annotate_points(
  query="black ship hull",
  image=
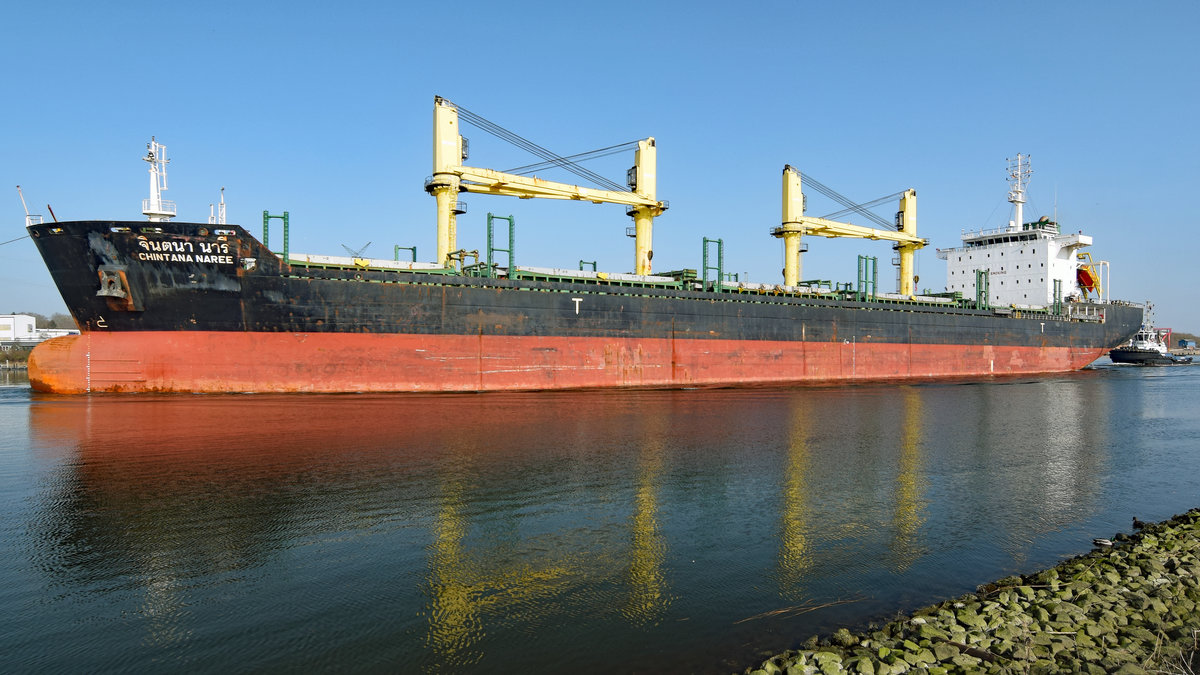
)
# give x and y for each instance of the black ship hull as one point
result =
(195, 307)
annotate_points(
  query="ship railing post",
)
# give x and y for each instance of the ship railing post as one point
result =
(982, 288)
(490, 247)
(874, 277)
(858, 292)
(720, 264)
(267, 233)
(868, 278)
(491, 244)
(719, 269)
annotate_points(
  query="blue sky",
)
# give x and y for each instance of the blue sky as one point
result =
(324, 110)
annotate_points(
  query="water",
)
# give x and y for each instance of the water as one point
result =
(596, 532)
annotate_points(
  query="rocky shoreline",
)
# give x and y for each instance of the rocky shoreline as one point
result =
(1129, 606)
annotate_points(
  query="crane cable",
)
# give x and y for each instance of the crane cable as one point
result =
(591, 154)
(865, 205)
(554, 160)
(850, 206)
(533, 148)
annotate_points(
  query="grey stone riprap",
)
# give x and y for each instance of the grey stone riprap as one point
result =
(1128, 607)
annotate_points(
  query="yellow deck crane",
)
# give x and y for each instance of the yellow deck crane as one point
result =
(795, 224)
(450, 177)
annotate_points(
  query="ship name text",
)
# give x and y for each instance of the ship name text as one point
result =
(185, 257)
(184, 251)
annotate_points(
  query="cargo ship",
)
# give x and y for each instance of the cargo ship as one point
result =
(166, 306)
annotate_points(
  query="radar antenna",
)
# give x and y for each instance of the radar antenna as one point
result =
(1018, 175)
(156, 208)
(219, 217)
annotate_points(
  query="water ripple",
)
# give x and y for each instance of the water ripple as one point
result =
(597, 532)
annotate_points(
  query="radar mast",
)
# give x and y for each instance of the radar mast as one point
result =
(1018, 175)
(156, 208)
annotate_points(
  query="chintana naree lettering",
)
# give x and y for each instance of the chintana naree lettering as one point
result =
(148, 256)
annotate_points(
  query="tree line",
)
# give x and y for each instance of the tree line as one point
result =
(58, 320)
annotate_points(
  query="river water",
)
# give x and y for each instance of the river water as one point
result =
(678, 531)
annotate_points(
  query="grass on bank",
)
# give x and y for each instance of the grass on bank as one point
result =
(17, 357)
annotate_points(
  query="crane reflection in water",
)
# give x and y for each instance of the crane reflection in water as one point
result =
(804, 488)
(906, 546)
(442, 532)
(472, 581)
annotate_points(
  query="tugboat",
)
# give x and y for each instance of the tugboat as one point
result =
(1148, 347)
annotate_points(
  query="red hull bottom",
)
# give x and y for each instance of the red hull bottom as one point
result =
(212, 362)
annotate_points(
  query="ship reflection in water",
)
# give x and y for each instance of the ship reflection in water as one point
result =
(599, 531)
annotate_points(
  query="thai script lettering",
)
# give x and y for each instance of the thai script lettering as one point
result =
(175, 246)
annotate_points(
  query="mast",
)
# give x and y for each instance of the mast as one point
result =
(219, 217)
(156, 208)
(1018, 175)
(30, 219)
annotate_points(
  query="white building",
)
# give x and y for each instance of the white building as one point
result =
(20, 330)
(17, 328)
(1022, 263)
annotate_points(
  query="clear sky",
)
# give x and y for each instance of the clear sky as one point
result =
(324, 110)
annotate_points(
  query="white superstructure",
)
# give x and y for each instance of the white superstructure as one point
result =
(1022, 261)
